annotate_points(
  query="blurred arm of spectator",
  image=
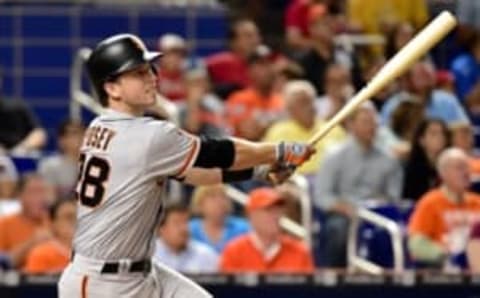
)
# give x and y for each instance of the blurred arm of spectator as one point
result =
(36, 137)
(8, 177)
(35, 140)
(54, 255)
(473, 249)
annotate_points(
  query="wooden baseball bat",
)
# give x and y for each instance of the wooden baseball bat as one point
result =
(395, 67)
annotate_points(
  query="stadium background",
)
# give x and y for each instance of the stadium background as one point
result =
(38, 44)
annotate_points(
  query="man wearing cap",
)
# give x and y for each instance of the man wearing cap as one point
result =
(266, 249)
(171, 75)
(258, 104)
(125, 162)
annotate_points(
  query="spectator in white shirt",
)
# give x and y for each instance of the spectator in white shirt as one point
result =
(174, 247)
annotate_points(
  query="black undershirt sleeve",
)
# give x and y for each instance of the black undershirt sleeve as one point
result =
(215, 153)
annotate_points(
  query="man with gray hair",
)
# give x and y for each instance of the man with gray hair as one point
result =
(355, 171)
(302, 123)
(439, 227)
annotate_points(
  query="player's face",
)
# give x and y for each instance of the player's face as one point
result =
(137, 88)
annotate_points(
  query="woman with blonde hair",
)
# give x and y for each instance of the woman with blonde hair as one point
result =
(215, 225)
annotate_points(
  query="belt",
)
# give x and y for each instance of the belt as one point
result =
(143, 266)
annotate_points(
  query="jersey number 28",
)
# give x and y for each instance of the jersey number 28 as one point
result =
(93, 174)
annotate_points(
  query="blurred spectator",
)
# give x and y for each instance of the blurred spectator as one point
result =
(430, 139)
(473, 249)
(302, 123)
(472, 105)
(466, 67)
(8, 177)
(174, 247)
(462, 138)
(216, 226)
(440, 224)
(265, 249)
(398, 37)
(204, 111)
(297, 17)
(286, 70)
(20, 232)
(369, 72)
(229, 70)
(468, 14)
(445, 81)
(379, 16)
(252, 110)
(323, 52)
(61, 168)
(396, 138)
(420, 81)
(353, 172)
(20, 131)
(53, 256)
(338, 90)
(171, 70)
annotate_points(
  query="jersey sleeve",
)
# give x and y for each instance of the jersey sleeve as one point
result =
(172, 151)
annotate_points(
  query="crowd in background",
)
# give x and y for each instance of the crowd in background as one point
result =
(415, 141)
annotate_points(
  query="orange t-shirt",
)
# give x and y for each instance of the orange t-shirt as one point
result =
(241, 255)
(47, 257)
(16, 229)
(248, 104)
(440, 219)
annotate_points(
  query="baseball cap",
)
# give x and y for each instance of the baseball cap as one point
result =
(170, 42)
(262, 198)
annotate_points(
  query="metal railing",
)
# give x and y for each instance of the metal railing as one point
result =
(81, 98)
(396, 236)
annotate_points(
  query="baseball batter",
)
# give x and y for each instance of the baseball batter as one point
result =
(125, 161)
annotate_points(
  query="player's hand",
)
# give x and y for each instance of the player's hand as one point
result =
(293, 153)
(274, 174)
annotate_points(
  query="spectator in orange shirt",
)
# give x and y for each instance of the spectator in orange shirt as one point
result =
(440, 225)
(252, 110)
(265, 249)
(53, 256)
(21, 231)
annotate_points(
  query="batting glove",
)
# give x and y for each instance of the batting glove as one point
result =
(273, 174)
(293, 153)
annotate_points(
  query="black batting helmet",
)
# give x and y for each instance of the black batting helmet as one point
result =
(114, 56)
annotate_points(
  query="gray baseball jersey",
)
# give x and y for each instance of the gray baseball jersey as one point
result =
(124, 163)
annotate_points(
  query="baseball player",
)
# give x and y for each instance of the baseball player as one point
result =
(125, 161)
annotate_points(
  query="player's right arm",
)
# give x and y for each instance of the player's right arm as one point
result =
(198, 161)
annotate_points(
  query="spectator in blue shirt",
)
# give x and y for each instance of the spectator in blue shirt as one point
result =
(466, 67)
(420, 82)
(215, 226)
